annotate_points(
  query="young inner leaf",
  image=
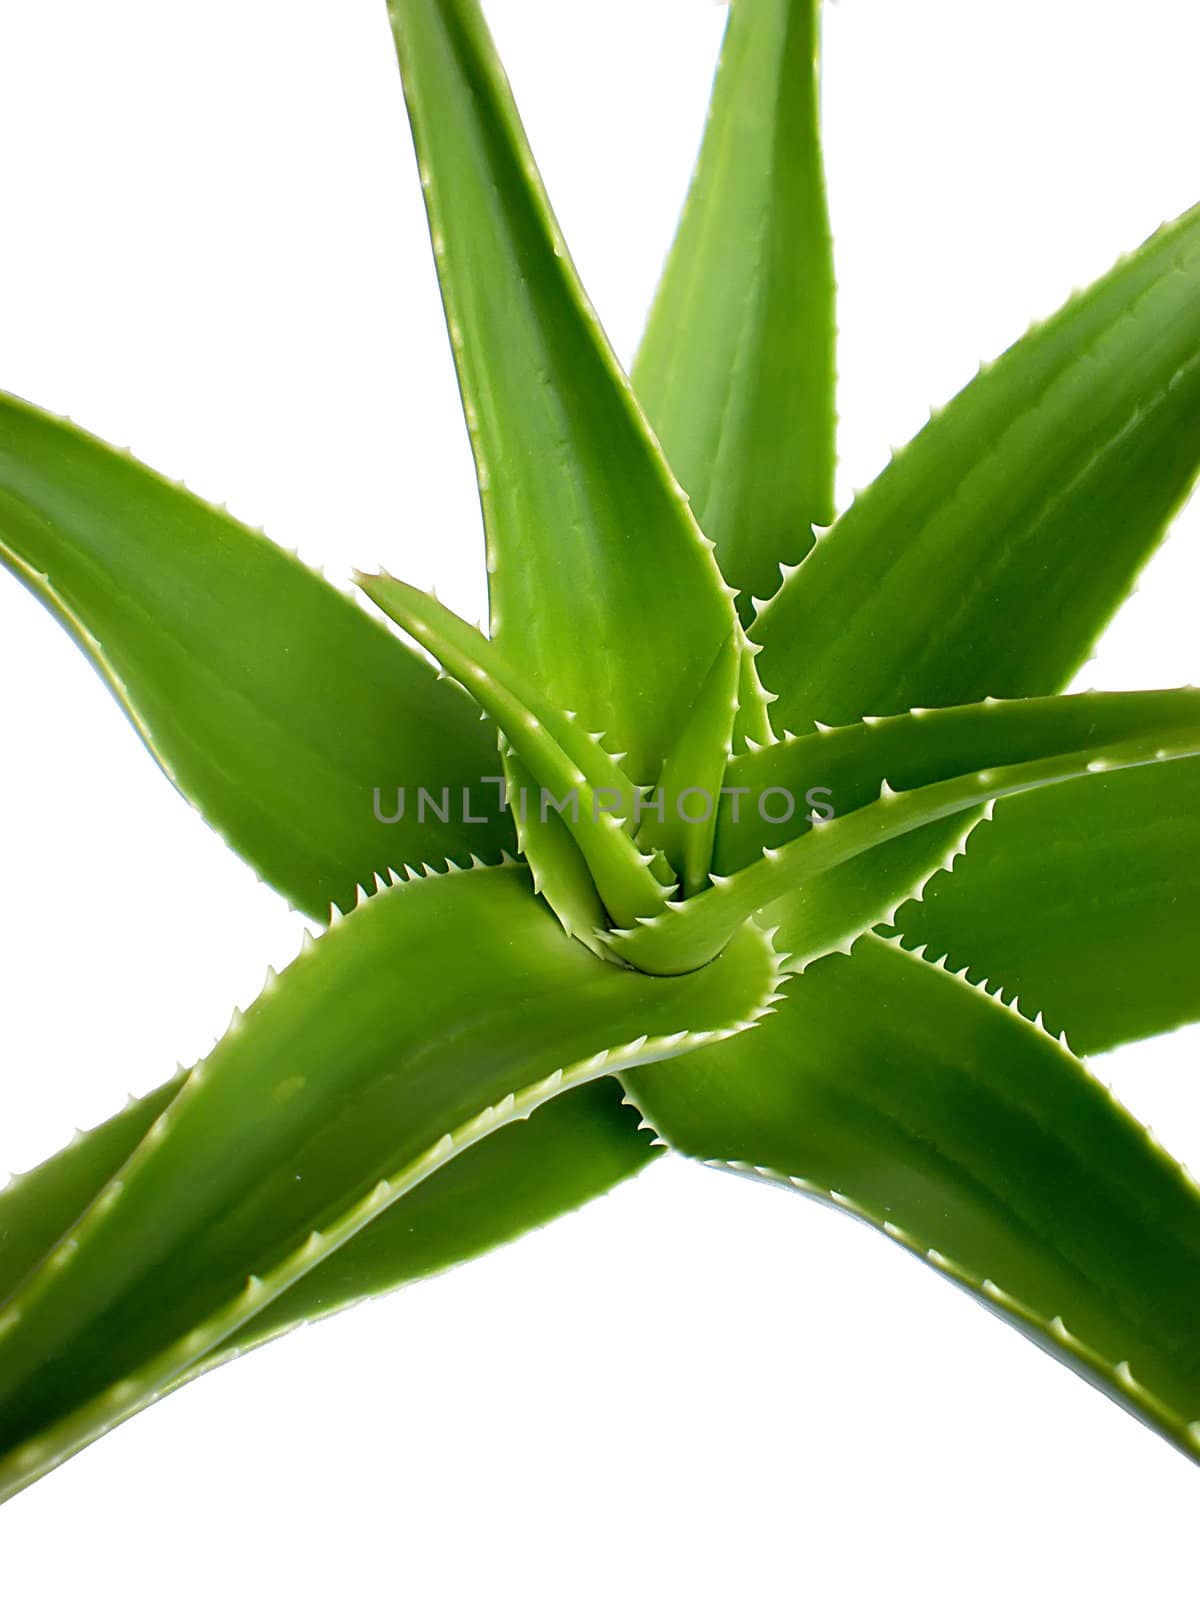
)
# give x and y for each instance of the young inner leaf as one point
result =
(577, 778)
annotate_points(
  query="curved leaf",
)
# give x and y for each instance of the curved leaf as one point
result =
(433, 1016)
(575, 775)
(602, 588)
(570, 1150)
(567, 1152)
(681, 815)
(38, 1207)
(846, 768)
(1084, 903)
(891, 1089)
(271, 701)
(686, 934)
(987, 558)
(559, 872)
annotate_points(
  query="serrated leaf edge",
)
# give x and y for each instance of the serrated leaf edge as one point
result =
(1116, 1375)
(1129, 313)
(131, 1394)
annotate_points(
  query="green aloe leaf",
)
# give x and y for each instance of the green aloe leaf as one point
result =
(38, 1207)
(681, 816)
(603, 590)
(975, 1140)
(736, 368)
(436, 1014)
(557, 866)
(565, 1153)
(272, 701)
(686, 934)
(1084, 903)
(752, 724)
(571, 1149)
(845, 768)
(574, 775)
(987, 558)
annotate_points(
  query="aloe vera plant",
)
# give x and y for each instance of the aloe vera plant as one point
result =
(775, 840)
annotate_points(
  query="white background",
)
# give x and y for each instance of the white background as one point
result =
(213, 250)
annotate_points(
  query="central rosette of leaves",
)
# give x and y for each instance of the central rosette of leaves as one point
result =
(826, 833)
